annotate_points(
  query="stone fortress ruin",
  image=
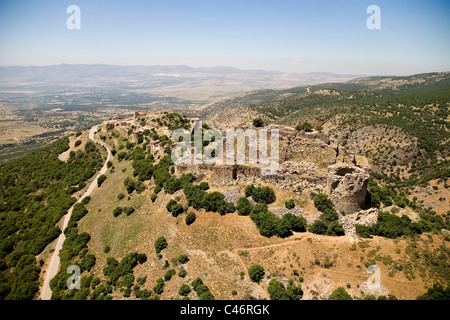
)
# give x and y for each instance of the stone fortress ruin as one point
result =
(309, 162)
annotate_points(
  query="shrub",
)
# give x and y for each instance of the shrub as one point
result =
(190, 218)
(132, 185)
(264, 195)
(329, 215)
(117, 211)
(289, 204)
(363, 231)
(305, 126)
(391, 226)
(153, 197)
(86, 200)
(184, 290)
(201, 288)
(258, 122)
(174, 208)
(101, 179)
(77, 143)
(322, 202)
(196, 283)
(243, 206)
(325, 205)
(204, 186)
(181, 259)
(87, 262)
(283, 228)
(182, 273)
(437, 292)
(249, 190)
(340, 294)
(207, 295)
(169, 274)
(297, 224)
(159, 287)
(318, 227)
(160, 244)
(294, 292)
(277, 291)
(128, 210)
(335, 229)
(120, 196)
(256, 273)
(78, 212)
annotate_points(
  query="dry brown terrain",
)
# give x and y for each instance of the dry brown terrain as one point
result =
(221, 247)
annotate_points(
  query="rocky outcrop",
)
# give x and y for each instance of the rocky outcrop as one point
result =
(347, 186)
(232, 195)
(280, 212)
(364, 217)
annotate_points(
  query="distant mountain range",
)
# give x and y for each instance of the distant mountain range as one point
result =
(69, 73)
(197, 85)
(79, 74)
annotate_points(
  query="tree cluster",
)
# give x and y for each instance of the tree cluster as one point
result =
(327, 224)
(264, 195)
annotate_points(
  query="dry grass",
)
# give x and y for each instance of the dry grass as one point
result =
(213, 243)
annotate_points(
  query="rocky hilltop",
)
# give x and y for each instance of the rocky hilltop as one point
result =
(309, 162)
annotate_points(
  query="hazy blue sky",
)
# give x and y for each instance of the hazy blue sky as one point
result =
(291, 36)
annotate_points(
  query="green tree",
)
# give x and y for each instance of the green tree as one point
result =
(258, 122)
(289, 204)
(160, 244)
(190, 218)
(256, 273)
(437, 292)
(318, 227)
(340, 294)
(277, 291)
(101, 179)
(207, 295)
(294, 292)
(297, 224)
(128, 210)
(335, 229)
(169, 274)
(117, 211)
(196, 283)
(322, 202)
(243, 206)
(159, 287)
(305, 126)
(184, 290)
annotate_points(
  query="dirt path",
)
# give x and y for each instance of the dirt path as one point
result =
(53, 266)
(244, 266)
(235, 251)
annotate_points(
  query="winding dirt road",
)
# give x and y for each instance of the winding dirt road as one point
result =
(52, 269)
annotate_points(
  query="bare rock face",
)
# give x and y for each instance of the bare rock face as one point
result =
(347, 186)
(365, 217)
